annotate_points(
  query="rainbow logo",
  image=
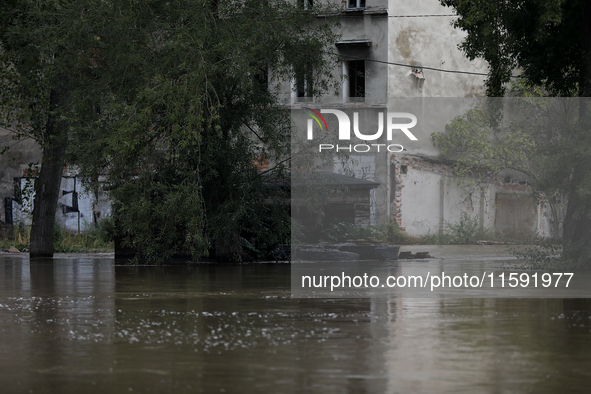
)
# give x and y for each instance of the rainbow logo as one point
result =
(317, 117)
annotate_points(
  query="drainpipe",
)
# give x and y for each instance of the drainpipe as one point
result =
(388, 187)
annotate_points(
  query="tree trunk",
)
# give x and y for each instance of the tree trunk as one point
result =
(48, 184)
(577, 222)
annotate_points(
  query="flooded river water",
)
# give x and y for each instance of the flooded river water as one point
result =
(87, 325)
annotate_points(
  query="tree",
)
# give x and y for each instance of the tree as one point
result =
(549, 42)
(40, 46)
(173, 101)
(179, 109)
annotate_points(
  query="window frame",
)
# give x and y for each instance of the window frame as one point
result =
(358, 5)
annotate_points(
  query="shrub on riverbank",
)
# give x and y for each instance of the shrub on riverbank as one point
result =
(98, 238)
(466, 231)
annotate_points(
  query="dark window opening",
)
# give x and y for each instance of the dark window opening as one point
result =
(306, 4)
(304, 82)
(356, 72)
(404, 169)
(359, 4)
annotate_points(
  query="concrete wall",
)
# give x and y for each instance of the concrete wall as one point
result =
(429, 42)
(92, 206)
(428, 197)
(516, 214)
(14, 162)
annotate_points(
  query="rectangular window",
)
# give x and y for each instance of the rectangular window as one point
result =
(355, 4)
(356, 74)
(304, 82)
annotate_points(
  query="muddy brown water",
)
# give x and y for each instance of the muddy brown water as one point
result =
(88, 325)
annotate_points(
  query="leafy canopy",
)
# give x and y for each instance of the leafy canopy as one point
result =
(540, 38)
(179, 105)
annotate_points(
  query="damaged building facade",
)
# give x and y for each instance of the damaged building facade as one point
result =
(404, 56)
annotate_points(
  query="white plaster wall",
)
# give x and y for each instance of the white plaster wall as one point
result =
(87, 205)
(422, 206)
(74, 221)
(359, 166)
(489, 206)
(14, 161)
(21, 213)
(364, 167)
(420, 202)
(429, 42)
(369, 25)
(458, 199)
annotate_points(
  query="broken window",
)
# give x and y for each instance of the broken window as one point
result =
(356, 75)
(355, 4)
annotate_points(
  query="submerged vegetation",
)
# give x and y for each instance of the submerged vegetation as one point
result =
(96, 238)
(465, 231)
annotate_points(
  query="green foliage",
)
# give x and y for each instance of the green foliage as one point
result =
(18, 236)
(93, 239)
(44, 48)
(533, 136)
(549, 43)
(97, 238)
(163, 218)
(540, 38)
(174, 101)
(186, 106)
(343, 232)
(484, 143)
(547, 142)
(465, 231)
(40, 43)
(545, 254)
(104, 230)
(548, 254)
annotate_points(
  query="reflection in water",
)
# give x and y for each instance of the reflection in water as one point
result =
(86, 325)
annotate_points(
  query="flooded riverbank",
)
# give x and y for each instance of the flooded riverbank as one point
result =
(85, 324)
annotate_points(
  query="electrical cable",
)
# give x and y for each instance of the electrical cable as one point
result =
(396, 16)
(411, 66)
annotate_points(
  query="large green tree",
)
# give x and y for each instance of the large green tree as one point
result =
(180, 109)
(548, 43)
(173, 104)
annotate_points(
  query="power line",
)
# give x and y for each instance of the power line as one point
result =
(411, 66)
(396, 16)
(429, 68)
(420, 16)
(383, 14)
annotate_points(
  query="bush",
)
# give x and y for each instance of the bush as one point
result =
(18, 236)
(465, 231)
(343, 232)
(97, 237)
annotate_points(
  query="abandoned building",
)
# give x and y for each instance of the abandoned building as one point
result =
(405, 54)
